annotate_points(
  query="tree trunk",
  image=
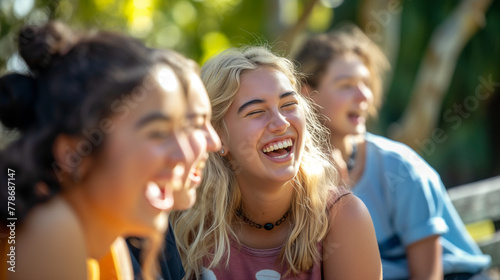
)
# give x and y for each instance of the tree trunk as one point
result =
(381, 21)
(421, 116)
(288, 39)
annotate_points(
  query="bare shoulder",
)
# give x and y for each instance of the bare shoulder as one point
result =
(350, 242)
(349, 219)
(349, 208)
(51, 243)
(55, 218)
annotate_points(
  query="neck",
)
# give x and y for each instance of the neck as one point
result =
(262, 205)
(99, 234)
(266, 205)
(343, 144)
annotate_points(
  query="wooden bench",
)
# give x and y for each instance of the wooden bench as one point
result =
(478, 204)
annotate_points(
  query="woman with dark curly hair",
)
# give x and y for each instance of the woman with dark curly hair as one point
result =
(103, 147)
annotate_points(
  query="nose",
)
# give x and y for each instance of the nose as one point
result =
(213, 140)
(278, 122)
(181, 153)
(363, 92)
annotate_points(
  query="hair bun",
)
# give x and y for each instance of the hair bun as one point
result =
(17, 101)
(38, 44)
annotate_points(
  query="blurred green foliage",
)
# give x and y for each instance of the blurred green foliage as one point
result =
(200, 28)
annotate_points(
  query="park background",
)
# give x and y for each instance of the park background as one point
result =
(441, 97)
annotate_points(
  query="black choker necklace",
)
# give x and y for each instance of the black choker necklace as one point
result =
(351, 161)
(268, 226)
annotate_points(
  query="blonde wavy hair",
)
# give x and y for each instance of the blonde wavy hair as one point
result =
(204, 232)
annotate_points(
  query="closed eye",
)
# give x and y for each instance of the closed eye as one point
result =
(196, 121)
(254, 113)
(158, 134)
(346, 84)
(288, 104)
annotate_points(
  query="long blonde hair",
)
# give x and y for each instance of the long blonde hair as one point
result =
(204, 232)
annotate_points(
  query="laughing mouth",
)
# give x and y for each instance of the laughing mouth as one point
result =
(355, 115)
(158, 197)
(279, 149)
(196, 173)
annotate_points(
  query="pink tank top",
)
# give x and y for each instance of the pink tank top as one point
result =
(261, 264)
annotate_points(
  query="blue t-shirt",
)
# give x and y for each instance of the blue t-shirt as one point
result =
(408, 202)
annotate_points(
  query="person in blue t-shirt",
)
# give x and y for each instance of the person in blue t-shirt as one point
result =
(419, 233)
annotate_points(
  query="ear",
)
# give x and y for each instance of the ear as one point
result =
(223, 150)
(72, 157)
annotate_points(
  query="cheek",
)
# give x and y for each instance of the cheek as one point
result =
(298, 120)
(132, 161)
(120, 179)
(198, 144)
(370, 98)
(332, 98)
(333, 104)
(242, 147)
(243, 139)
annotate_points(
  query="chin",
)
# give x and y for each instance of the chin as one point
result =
(287, 175)
(360, 129)
(184, 203)
(150, 226)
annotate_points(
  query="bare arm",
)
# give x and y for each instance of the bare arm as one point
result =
(350, 250)
(424, 259)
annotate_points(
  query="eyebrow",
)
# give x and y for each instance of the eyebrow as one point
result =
(251, 102)
(344, 77)
(351, 77)
(196, 115)
(286, 94)
(259, 101)
(156, 116)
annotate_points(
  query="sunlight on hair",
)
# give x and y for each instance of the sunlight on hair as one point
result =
(167, 79)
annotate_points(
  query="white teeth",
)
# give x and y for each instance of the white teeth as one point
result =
(153, 190)
(283, 156)
(279, 145)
